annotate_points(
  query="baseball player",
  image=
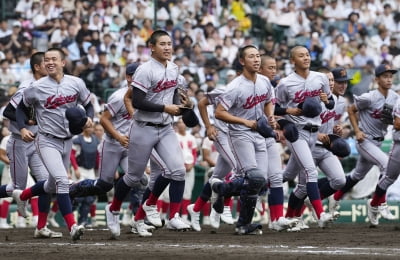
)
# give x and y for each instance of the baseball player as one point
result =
(155, 97)
(51, 97)
(370, 129)
(23, 154)
(217, 132)
(306, 88)
(275, 195)
(248, 98)
(392, 171)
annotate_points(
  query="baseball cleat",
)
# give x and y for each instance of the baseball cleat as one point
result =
(373, 214)
(385, 212)
(21, 205)
(76, 232)
(113, 221)
(194, 218)
(250, 229)
(217, 200)
(226, 216)
(333, 205)
(152, 214)
(283, 224)
(177, 223)
(46, 233)
(215, 219)
(324, 219)
(140, 228)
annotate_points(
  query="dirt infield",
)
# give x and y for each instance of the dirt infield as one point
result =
(340, 241)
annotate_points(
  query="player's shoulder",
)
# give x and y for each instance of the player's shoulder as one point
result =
(118, 94)
(74, 79)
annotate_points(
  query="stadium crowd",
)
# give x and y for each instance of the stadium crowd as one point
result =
(101, 38)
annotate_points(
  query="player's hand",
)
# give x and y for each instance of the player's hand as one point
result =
(272, 122)
(323, 138)
(252, 124)
(89, 123)
(323, 97)
(294, 111)
(360, 136)
(338, 129)
(212, 132)
(172, 110)
(31, 122)
(123, 140)
(27, 135)
(185, 99)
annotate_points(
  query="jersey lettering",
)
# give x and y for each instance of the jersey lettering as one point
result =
(163, 85)
(338, 116)
(53, 102)
(376, 114)
(326, 116)
(126, 116)
(253, 101)
(300, 95)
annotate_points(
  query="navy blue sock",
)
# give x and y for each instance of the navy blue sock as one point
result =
(275, 196)
(44, 203)
(3, 191)
(312, 191)
(350, 183)
(326, 190)
(176, 189)
(206, 192)
(146, 195)
(379, 191)
(322, 181)
(38, 188)
(64, 203)
(121, 190)
(160, 185)
(294, 201)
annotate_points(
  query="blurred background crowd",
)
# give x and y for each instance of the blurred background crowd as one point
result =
(101, 37)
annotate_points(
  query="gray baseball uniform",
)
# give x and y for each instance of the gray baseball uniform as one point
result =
(21, 153)
(369, 106)
(53, 143)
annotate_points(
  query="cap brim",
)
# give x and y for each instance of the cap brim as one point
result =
(343, 79)
(391, 71)
(333, 137)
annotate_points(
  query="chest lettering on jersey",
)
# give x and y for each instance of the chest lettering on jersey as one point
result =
(53, 102)
(254, 100)
(300, 95)
(163, 85)
(376, 114)
(126, 116)
(327, 115)
(337, 116)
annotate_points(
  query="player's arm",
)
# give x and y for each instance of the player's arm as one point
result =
(396, 123)
(222, 114)
(269, 112)
(128, 102)
(210, 129)
(90, 114)
(352, 111)
(21, 118)
(139, 102)
(105, 121)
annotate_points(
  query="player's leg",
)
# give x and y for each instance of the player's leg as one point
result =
(332, 168)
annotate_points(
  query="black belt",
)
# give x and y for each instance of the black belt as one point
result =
(321, 145)
(379, 139)
(56, 137)
(311, 128)
(156, 125)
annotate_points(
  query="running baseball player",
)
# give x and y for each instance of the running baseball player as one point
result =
(218, 133)
(248, 98)
(392, 172)
(51, 97)
(370, 129)
(155, 97)
(306, 88)
(23, 154)
(275, 194)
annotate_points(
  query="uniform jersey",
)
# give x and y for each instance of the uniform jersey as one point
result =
(246, 99)
(15, 100)
(159, 83)
(121, 120)
(327, 117)
(369, 106)
(51, 99)
(213, 99)
(340, 108)
(396, 113)
(293, 89)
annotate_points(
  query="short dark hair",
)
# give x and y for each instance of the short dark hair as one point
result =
(243, 49)
(36, 59)
(62, 54)
(156, 35)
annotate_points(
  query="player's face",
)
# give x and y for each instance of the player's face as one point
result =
(385, 80)
(252, 60)
(339, 88)
(41, 69)
(301, 58)
(330, 80)
(162, 50)
(268, 68)
(129, 78)
(54, 63)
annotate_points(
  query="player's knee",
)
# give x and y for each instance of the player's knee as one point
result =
(255, 180)
(338, 183)
(178, 175)
(275, 180)
(300, 191)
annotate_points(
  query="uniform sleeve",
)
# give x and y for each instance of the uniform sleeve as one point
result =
(228, 98)
(29, 96)
(16, 98)
(113, 106)
(325, 85)
(281, 96)
(363, 101)
(84, 93)
(142, 79)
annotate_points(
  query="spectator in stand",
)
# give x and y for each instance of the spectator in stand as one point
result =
(147, 29)
(332, 49)
(6, 75)
(387, 18)
(60, 34)
(229, 28)
(393, 46)
(361, 58)
(334, 11)
(353, 26)
(342, 59)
